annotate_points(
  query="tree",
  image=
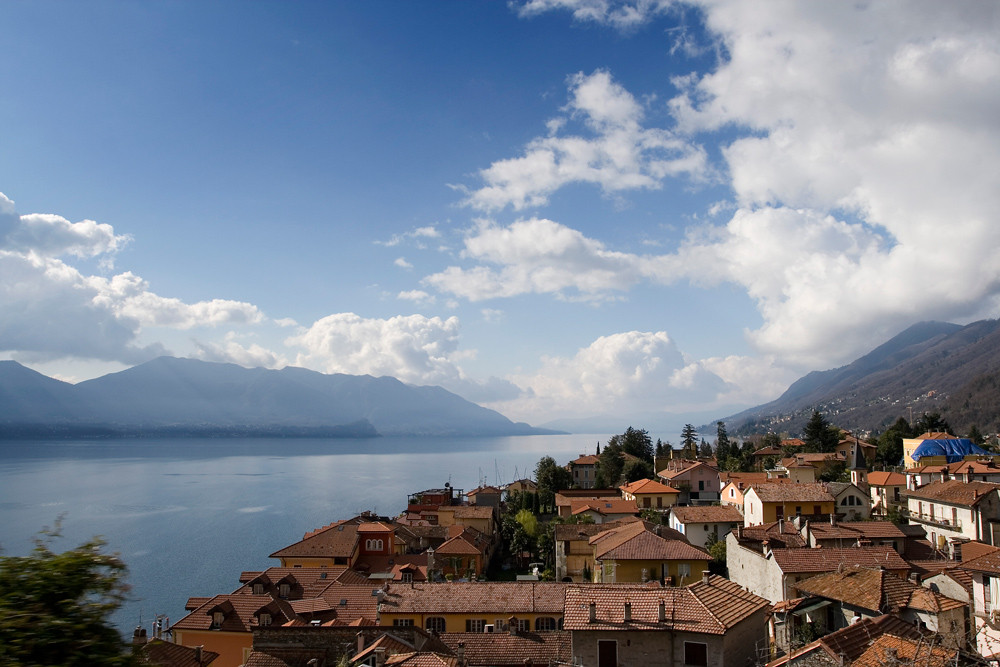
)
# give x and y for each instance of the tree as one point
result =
(54, 608)
(706, 449)
(889, 447)
(660, 450)
(635, 470)
(717, 549)
(975, 435)
(689, 440)
(610, 465)
(637, 443)
(819, 435)
(550, 478)
(722, 445)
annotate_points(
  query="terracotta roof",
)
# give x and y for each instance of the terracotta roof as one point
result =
(828, 560)
(707, 514)
(352, 602)
(330, 542)
(567, 496)
(876, 590)
(488, 598)
(470, 512)
(422, 660)
(459, 546)
(974, 549)
(988, 563)
(375, 527)
(671, 473)
(507, 650)
(936, 435)
(792, 493)
(855, 529)
(644, 545)
(259, 659)
(304, 582)
(484, 489)
(396, 564)
(813, 457)
(166, 654)
(576, 531)
(604, 506)
(854, 640)
(884, 478)
(784, 534)
(891, 650)
(648, 486)
(793, 442)
(710, 608)
(240, 613)
(391, 644)
(975, 467)
(747, 478)
(955, 492)
(585, 460)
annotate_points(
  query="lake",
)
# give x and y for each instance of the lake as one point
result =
(189, 515)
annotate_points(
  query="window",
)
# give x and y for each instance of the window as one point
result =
(475, 625)
(706, 527)
(647, 502)
(696, 653)
(407, 577)
(607, 653)
(732, 493)
(435, 624)
(258, 589)
(283, 590)
(843, 502)
(798, 510)
(659, 501)
(545, 624)
(954, 515)
(701, 485)
(373, 545)
(576, 473)
(817, 509)
(683, 569)
(402, 622)
(586, 474)
(264, 619)
(217, 619)
(930, 509)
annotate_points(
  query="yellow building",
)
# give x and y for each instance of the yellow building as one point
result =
(633, 553)
(336, 544)
(769, 502)
(650, 494)
(481, 518)
(474, 607)
(225, 624)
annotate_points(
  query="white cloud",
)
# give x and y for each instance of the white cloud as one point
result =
(622, 15)
(429, 232)
(230, 351)
(402, 263)
(492, 315)
(416, 296)
(621, 154)
(50, 235)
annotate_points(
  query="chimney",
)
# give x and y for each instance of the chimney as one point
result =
(833, 519)
(704, 577)
(460, 652)
(198, 655)
(915, 577)
(739, 531)
(659, 530)
(361, 642)
(593, 612)
(379, 656)
(661, 612)
(628, 612)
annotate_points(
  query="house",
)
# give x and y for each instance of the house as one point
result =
(521, 485)
(482, 518)
(485, 495)
(839, 534)
(514, 648)
(431, 499)
(794, 470)
(303, 646)
(939, 449)
(603, 510)
(764, 503)
(696, 480)
(565, 497)
(474, 606)
(650, 494)
(769, 564)
(985, 570)
(853, 502)
(465, 555)
(633, 553)
(711, 622)
(965, 471)
(336, 544)
(858, 593)
(697, 523)
(584, 471)
(158, 653)
(956, 511)
(886, 490)
(735, 484)
(574, 555)
(848, 442)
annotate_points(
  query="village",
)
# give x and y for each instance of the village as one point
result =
(693, 565)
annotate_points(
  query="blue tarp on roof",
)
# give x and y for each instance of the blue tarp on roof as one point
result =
(953, 450)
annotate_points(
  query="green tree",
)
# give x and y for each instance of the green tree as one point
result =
(819, 435)
(54, 607)
(931, 422)
(723, 448)
(975, 435)
(717, 550)
(835, 472)
(636, 470)
(689, 441)
(610, 465)
(660, 449)
(637, 443)
(550, 478)
(705, 450)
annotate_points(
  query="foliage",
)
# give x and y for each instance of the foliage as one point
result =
(717, 550)
(889, 448)
(835, 472)
(819, 435)
(550, 477)
(689, 441)
(633, 471)
(931, 422)
(587, 574)
(661, 449)
(528, 521)
(895, 515)
(976, 436)
(515, 535)
(610, 465)
(635, 442)
(706, 449)
(652, 516)
(723, 446)
(54, 608)
(771, 439)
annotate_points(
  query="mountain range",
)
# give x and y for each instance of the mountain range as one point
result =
(181, 397)
(929, 367)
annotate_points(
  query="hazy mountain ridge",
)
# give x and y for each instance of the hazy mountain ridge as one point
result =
(178, 397)
(931, 366)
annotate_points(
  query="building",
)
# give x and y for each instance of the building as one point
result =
(886, 490)
(766, 503)
(696, 480)
(604, 510)
(224, 624)
(336, 544)
(837, 534)
(584, 471)
(650, 494)
(565, 497)
(851, 501)
(955, 511)
(474, 606)
(485, 495)
(939, 449)
(521, 485)
(514, 648)
(632, 553)
(711, 622)
(704, 524)
(465, 555)
(985, 570)
(575, 556)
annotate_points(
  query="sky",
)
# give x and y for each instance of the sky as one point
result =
(553, 208)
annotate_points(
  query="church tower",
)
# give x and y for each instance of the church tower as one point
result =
(858, 467)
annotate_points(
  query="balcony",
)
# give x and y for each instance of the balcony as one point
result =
(940, 522)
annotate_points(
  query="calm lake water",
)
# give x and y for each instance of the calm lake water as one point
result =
(188, 515)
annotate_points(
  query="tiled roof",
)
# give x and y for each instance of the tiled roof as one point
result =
(955, 492)
(375, 527)
(876, 590)
(891, 650)
(647, 546)
(466, 512)
(507, 650)
(782, 533)
(566, 496)
(813, 457)
(422, 660)
(352, 602)
(848, 529)
(974, 549)
(491, 597)
(459, 546)
(672, 473)
(854, 640)
(648, 486)
(396, 564)
(935, 435)
(336, 541)
(884, 478)
(391, 644)
(828, 560)
(707, 514)
(604, 506)
(792, 493)
(259, 659)
(988, 563)
(167, 654)
(304, 582)
(484, 489)
(747, 478)
(578, 531)
(710, 608)
(585, 460)
(240, 613)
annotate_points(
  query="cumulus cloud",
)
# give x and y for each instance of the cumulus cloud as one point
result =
(626, 372)
(619, 155)
(622, 15)
(417, 296)
(49, 235)
(232, 352)
(402, 263)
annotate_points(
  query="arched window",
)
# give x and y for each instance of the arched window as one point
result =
(545, 624)
(435, 624)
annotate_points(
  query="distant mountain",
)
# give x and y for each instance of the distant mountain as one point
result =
(179, 397)
(932, 366)
(664, 425)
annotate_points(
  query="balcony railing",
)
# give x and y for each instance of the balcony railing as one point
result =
(933, 520)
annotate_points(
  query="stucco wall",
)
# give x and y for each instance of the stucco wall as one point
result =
(648, 648)
(751, 570)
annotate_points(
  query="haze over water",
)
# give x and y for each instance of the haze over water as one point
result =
(188, 515)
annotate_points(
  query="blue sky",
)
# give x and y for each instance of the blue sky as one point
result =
(555, 208)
